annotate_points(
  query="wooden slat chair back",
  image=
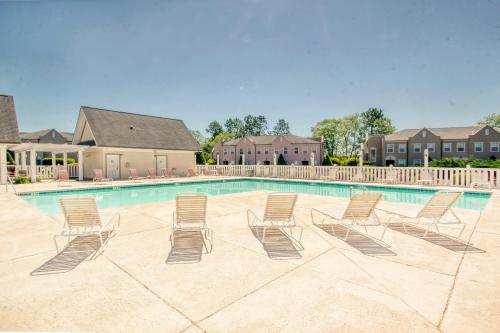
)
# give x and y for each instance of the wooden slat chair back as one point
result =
(133, 173)
(280, 206)
(98, 174)
(439, 204)
(191, 208)
(80, 211)
(152, 172)
(362, 206)
(62, 175)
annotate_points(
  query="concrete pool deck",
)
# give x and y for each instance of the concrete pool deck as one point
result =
(141, 284)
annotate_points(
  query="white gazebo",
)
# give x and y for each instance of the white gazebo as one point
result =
(54, 149)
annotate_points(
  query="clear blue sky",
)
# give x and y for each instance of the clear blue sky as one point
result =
(426, 63)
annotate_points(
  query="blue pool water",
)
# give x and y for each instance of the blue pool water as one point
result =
(134, 195)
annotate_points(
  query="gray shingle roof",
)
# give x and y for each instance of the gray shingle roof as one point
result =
(36, 135)
(130, 130)
(9, 130)
(268, 139)
(446, 133)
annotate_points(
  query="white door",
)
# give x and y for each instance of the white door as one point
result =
(113, 166)
(161, 163)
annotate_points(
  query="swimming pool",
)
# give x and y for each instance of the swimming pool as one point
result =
(142, 194)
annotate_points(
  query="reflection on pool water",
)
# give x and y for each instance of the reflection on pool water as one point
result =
(134, 195)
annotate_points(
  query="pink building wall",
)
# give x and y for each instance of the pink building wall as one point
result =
(252, 155)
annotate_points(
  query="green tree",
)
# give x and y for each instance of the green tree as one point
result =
(255, 125)
(329, 129)
(281, 160)
(492, 120)
(200, 158)
(327, 161)
(235, 126)
(10, 159)
(214, 129)
(353, 134)
(281, 128)
(376, 122)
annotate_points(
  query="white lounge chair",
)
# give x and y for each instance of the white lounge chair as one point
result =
(359, 212)
(63, 178)
(277, 215)
(98, 176)
(82, 219)
(427, 177)
(433, 213)
(190, 215)
(134, 175)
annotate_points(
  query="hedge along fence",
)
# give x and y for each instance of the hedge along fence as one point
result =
(454, 163)
(59, 161)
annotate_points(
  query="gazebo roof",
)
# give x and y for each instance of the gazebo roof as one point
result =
(48, 147)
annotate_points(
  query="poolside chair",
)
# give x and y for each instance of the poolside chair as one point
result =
(98, 176)
(134, 175)
(359, 176)
(427, 178)
(190, 215)
(433, 213)
(191, 173)
(152, 174)
(166, 173)
(359, 212)
(63, 177)
(82, 219)
(277, 215)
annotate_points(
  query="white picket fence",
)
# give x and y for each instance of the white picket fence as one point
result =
(44, 171)
(459, 177)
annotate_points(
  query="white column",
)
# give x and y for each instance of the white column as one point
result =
(274, 159)
(218, 159)
(23, 160)
(361, 155)
(243, 159)
(53, 160)
(426, 158)
(3, 164)
(65, 160)
(33, 166)
(16, 159)
(312, 159)
(80, 165)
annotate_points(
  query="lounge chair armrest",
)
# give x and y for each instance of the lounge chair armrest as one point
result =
(323, 214)
(251, 216)
(114, 219)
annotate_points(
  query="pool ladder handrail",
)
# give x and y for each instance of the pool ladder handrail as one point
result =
(9, 181)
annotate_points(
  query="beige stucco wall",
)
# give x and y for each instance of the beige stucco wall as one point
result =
(92, 159)
(140, 159)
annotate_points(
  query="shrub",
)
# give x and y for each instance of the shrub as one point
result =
(281, 160)
(351, 161)
(336, 160)
(455, 163)
(22, 180)
(240, 161)
(59, 161)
